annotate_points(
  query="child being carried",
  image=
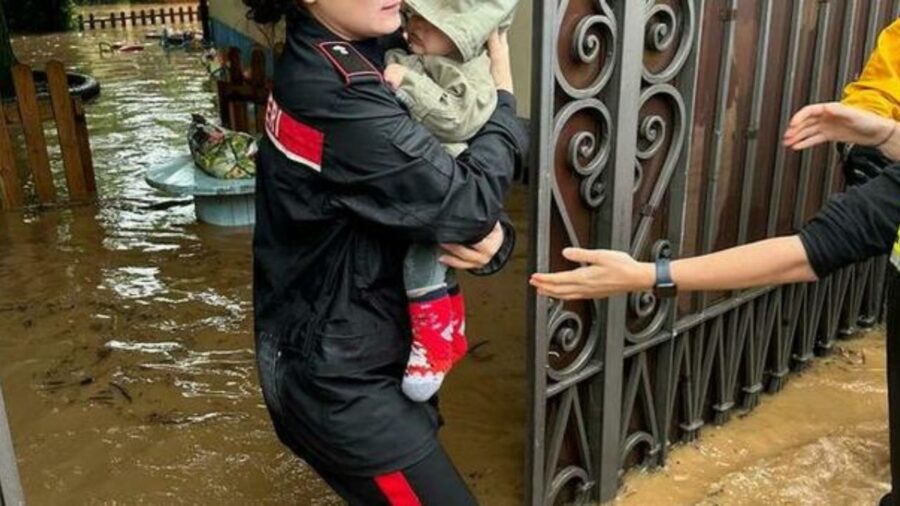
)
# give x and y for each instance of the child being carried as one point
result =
(446, 83)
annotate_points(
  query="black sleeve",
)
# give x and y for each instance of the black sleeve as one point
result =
(856, 225)
(390, 170)
(504, 254)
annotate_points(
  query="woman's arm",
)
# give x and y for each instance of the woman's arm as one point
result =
(854, 226)
(773, 261)
(835, 122)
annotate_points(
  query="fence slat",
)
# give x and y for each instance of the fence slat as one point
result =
(65, 126)
(237, 112)
(33, 129)
(112, 19)
(172, 15)
(181, 14)
(143, 18)
(91, 21)
(81, 22)
(152, 16)
(122, 19)
(191, 14)
(84, 147)
(258, 81)
(11, 186)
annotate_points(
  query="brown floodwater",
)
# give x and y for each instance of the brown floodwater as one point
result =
(127, 365)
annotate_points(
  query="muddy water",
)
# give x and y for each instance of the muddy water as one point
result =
(126, 353)
(125, 328)
(823, 440)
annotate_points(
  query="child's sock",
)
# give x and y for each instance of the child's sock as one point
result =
(431, 356)
(458, 304)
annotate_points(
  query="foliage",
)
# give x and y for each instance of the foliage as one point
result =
(38, 16)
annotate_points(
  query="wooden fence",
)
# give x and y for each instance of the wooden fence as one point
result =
(149, 17)
(243, 95)
(28, 114)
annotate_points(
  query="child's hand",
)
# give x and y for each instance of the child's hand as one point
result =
(835, 122)
(501, 69)
(394, 74)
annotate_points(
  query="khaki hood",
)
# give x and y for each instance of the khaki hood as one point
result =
(468, 23)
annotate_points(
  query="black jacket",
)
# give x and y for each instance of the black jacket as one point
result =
(346, 181)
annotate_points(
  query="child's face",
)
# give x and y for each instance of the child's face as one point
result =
(424, 38)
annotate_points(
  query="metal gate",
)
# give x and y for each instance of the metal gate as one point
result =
(658, 131)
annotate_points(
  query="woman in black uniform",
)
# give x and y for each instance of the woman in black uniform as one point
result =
(345, 182)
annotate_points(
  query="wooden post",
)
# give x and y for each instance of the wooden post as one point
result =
(91, 20)
(112, 19)
(152, 17)
(143, 18)
(102, 23)
(84, 147)
(10, 485)
(65, 126)
(191, 14)
(33, 128)
(181, 14)
(133, 18)
(122, 20)
(81, 22)
(237, 111)
(258, 82)
(172, 15)
(10, 185)
(204, 20)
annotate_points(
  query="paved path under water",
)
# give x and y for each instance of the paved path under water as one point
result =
(126, 353)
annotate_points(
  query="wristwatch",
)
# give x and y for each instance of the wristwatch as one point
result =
(665, 286)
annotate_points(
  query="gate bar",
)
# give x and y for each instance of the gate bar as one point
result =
(10, 485)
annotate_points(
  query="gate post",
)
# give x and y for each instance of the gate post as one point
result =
(613, 231)
(10, 486)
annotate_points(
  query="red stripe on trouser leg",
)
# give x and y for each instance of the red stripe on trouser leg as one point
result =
(397, 489)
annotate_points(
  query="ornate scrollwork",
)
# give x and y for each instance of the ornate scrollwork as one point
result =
(646, 305)
(586, 46)
(568, 335)
(662, 29)
(588, 151)
(572, 478)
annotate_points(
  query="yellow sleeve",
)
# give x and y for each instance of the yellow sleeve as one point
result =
(878, 87)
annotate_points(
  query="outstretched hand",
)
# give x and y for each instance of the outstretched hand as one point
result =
(835, 122)
(607, 273)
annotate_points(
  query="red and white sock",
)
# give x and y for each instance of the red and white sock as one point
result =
(432, 346)
(458, 304)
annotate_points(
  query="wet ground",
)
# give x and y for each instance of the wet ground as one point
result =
(125, 344)
(126, 353)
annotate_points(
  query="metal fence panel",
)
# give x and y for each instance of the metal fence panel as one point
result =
(657, 131)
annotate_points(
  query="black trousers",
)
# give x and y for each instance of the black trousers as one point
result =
(433, 481)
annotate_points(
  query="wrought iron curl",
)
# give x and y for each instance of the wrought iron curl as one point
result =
(586, 45)
(646, 304)
(566, 329)
(662, 29)
(586, 155)
(570, 475)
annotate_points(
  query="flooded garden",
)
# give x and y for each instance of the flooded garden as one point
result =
(126, 347)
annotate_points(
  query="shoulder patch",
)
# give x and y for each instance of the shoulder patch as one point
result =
(299, 142)
(350, 63)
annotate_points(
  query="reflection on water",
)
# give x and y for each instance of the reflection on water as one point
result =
(125, 338)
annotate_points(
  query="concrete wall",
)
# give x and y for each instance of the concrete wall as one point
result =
(230, 27)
